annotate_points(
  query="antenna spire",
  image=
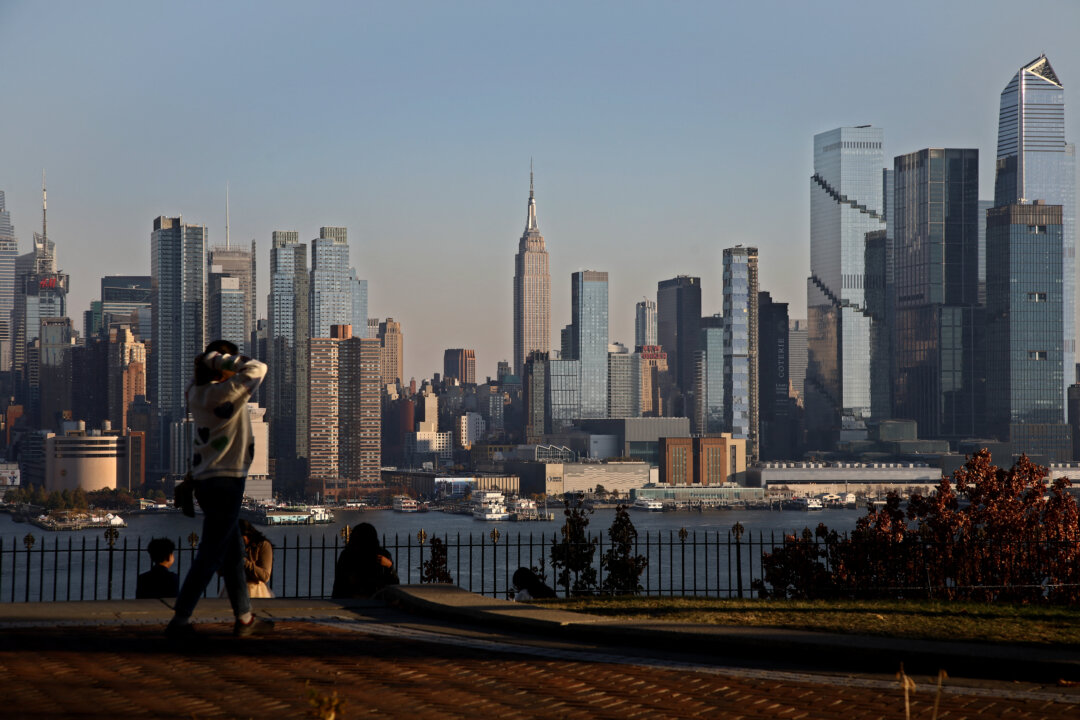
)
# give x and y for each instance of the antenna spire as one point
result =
(44, 209)
(530, 178)
(530, 220)
(226, 214)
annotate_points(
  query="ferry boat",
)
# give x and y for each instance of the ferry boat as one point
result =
(649, 504)
(803, 503)
(73, 520)
(489, 505)
(287, 515)
(403, 503)
(522, 509)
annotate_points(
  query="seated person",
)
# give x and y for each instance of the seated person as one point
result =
(258, 560)
(364, 567)
(159, 581)
(529, 586)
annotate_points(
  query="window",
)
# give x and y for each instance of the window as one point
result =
(1037, 355)
(1036, 297)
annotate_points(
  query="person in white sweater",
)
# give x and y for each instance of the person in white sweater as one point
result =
(222, 450)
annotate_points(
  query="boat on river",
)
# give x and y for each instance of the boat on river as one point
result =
(288, 514)
(649, 504)
(65, 520)
(404, 503)
(489, 505)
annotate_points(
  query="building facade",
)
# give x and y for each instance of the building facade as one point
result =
(460, 363)
(645, 323)
(589, 338)
(678, 321)
(741, 345)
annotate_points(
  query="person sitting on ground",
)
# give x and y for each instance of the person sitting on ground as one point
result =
(530, 586)
(159, 581)
(364, 567)
(258, 560)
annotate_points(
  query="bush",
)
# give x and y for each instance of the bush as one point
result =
(621, 563)
(572, 557)
(435, 569)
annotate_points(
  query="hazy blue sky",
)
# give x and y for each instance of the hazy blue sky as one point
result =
(662, 133)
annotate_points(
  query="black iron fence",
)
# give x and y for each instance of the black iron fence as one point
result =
(52, 567)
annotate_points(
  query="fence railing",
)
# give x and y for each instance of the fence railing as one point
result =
(48, 567)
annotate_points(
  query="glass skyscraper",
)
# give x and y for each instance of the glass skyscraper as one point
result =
(1024, 310)
(709, 396)
(9, 250)
(741, 345)
(645, 323)
(589, 339)
(678, 322)
(1035, 163)
(334, 284)
(845, 204)
(938, 381)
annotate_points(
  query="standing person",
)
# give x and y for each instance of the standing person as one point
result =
(158, 581)
(222, 451)
(258, 560)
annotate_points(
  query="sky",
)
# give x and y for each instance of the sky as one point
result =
(661, 133)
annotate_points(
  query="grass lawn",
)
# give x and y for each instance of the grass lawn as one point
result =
(1058, 626)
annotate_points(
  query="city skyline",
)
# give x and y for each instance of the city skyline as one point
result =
(649, 178)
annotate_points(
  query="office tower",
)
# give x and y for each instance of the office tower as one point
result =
(392, 341)
(535, 391)
(589, 335)
(230, 261)
(54, 372)
(226, 308)
(845, 204)
(797, 356)
(1034, 163)
(260, 350)
(741, 345)
(1024, 339)
(460, 363)
(359, 305)
(645, 323)
(984, 205)
(127, 299)
(709, 395)
(40, 292)
(880, 285)
(938, 368)
(678, 321)
(654, 376)
(287, 348)
(775, 406)
(91, 381)
(624, 382)
(532, 290)
(178, 306)
(332, 281)
(563, 402)
(126, 374)
(9, 250)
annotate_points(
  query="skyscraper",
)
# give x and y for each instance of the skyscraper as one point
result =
(532, 291)
(938, 380)
(287, 333)
(1034, 163)
(178, 306)
(645, 323)
(624, 382)
(589, 332)
(239, 263)
(845, 203)
(741, 345)
(776, 416)
(332, 282)
(678, 321)
(9, 250)
(1024, 403)
(708, 417)
(127, 299)
(392, 341)
(460, 363)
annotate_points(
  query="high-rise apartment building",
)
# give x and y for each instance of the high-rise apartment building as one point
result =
(797, 355)
(845, 204)
(238, 263)
(939, 376)
(709, 402)
(532, 291)
(127, 299)
(1024, 339)
(645, 323)
(654, 375)
(126, 374)
(287, 349)
(1035, 163)
(624, 382)
(178, 306)
(741, 345)
(392, 341)
(9, 250)
(460, 364)
(589, 337)
(678, 322)
(226, 308)
(337, 294)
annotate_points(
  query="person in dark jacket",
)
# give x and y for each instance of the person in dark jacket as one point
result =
(529, 586)
(159, 581)
(364, 567)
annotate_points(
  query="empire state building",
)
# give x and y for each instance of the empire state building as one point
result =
(532, 291)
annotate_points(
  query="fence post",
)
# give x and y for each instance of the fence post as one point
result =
(494, 562)
(28, 541)
(737, 530)
(111, 534)
(421, 537)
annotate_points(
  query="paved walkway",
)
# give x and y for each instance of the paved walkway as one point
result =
(442, 653)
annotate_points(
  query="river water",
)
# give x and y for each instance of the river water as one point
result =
(74, 564)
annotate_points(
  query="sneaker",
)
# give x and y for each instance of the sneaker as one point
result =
(257, 626)
(180, 632)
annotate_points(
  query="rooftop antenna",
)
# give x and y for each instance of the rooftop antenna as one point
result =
(226, 214)
(44, 210)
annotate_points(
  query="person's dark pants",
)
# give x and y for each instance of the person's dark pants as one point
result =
(220, 546)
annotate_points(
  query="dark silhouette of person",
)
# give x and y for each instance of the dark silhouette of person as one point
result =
(159, 581)
(529, 586)
(364, 567)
